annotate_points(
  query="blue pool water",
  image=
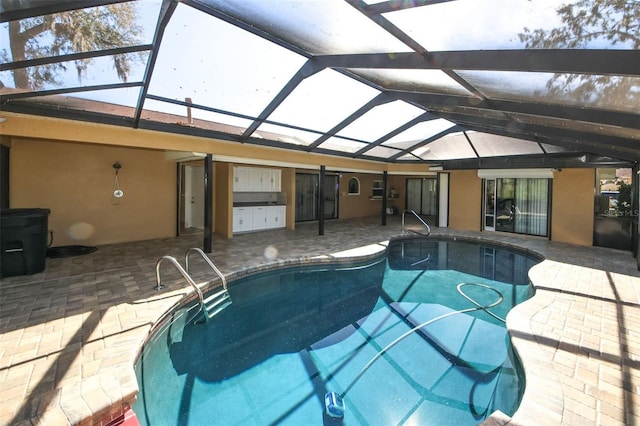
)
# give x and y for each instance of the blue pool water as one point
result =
(292, 335)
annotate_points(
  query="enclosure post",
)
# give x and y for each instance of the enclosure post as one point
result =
(385, 177)
(208, 203)
(321, 201)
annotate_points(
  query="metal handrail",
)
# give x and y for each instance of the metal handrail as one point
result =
(209, 262)
(180, 269)
(420, 219)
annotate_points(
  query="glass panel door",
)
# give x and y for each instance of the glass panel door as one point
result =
(614, 212)
(531, 206)
(517, 205)
(429, 194)
(414, 194)
(306, 197)
(422, 196)
(505, 204)
(307, 194)
(490, 204)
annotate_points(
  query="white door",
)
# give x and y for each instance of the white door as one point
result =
(489, 204)
(194, 197)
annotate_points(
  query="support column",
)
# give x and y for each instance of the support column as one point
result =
(385, 178)
(635, 218)
(179, 198)
(208, 203)
(321, 201)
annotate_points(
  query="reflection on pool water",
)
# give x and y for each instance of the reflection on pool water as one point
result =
(292, 335)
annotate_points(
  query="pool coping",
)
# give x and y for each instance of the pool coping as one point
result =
(371, 252)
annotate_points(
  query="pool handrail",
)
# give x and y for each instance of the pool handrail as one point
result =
(180, 269)
(420, 219)
(206, 259)
(212, 304)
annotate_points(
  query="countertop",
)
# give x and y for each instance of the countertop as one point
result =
(256, 204)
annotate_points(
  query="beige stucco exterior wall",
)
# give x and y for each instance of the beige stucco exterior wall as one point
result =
(399, 184)
(66, 166)
(572, 214)
(76, 182)
(288, 186)
(36, 127)
(223, 200)
(465, 202)
(359, 205)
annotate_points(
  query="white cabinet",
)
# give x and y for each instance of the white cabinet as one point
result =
(258, 217)
(270, 180)
(256, 179)
(276, 216)
(241, 179)
(242, 219)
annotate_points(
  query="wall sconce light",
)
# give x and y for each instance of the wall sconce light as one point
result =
(117, 192)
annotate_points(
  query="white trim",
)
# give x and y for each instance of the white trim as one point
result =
(181, 156)
(412, 173)
(443, 202)
(260, 162)
(515, 173)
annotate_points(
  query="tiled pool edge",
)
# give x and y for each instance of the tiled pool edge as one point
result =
(542, 402)
(577, 347)
(364, 254)
(359, 255)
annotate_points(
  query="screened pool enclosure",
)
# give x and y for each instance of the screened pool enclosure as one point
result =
(454, 84)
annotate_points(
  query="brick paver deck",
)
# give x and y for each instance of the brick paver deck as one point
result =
(71, 334)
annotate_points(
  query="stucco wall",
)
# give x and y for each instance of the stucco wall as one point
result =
(358, 205)
(288, 185)
(223, 200)
(572, 214)
(76, 182)
(465, 200)
(72, 175)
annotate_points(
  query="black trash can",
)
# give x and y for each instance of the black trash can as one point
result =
(23, 241)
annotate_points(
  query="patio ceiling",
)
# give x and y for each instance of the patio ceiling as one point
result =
(460, 84)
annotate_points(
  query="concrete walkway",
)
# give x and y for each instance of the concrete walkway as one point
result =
(71, 334)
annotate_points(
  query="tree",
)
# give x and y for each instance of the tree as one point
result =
(623, 207)
(615, 23)
(82, 30)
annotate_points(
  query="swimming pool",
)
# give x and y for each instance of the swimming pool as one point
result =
(386, 332)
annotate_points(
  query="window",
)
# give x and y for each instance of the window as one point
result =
(377, 191)
(354, 186)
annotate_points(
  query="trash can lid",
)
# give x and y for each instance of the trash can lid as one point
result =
(24, 212)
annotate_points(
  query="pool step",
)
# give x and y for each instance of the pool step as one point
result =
(215, 303)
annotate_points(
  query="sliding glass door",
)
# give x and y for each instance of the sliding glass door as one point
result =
(422, 196)
(307, 194)
(489, 210)
(532, 205)
(505, 205)
(519, 205)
